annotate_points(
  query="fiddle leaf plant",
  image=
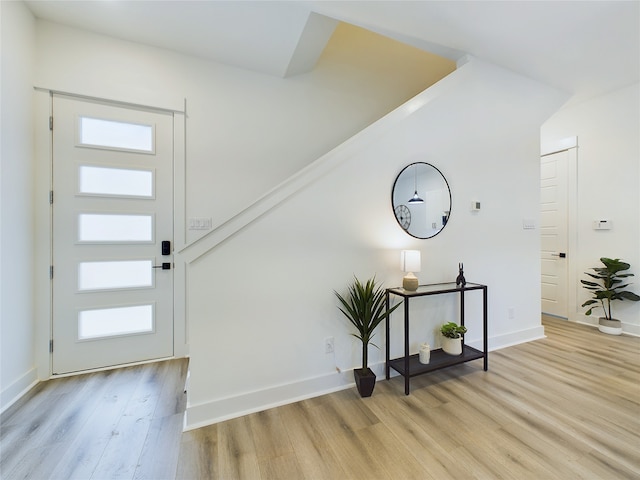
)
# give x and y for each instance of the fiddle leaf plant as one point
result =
(608, 286)
(366, 308)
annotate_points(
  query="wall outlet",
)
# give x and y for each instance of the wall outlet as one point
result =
(328, 345)
(602, 225)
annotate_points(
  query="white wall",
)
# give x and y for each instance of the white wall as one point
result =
(246, 132)
(237, 120)
(17, 329)
(262, 303)
(608, 178)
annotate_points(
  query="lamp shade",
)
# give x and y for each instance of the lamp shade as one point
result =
(410, 260)
(416, 198)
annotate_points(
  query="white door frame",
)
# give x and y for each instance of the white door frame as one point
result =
(570, 145)
(43, 247)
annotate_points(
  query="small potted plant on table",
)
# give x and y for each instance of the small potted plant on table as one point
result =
(452, 338)
(607, 290)
(365, 307)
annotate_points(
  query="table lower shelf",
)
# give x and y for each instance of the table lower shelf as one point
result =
(439, 359)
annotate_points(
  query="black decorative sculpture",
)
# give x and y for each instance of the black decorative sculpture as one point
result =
(460, 281)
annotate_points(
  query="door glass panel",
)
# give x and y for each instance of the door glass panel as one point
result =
(110, 322)
(115, 181)
(115, 275)
(96, 132)
(98, 227)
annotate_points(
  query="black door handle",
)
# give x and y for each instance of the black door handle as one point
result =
(164, 266)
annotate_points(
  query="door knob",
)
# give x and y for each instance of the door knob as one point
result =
(561, 255)
(164, 266)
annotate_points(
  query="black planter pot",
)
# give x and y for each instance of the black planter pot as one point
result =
(365, 381)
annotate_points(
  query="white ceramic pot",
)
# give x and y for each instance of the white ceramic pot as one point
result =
(611, 327)
(452, 346)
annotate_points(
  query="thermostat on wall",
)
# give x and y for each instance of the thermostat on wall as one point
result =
(602, 225)
(475, 206)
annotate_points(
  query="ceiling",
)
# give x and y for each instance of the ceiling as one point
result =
(584, 48)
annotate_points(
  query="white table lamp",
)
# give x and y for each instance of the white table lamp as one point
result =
(410, 263)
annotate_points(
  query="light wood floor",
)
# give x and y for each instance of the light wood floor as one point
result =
(566, 407)
(123, 423)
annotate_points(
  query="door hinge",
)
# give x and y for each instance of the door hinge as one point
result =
(51, 123)
(50, 197)
(50, 346)
(51, 271)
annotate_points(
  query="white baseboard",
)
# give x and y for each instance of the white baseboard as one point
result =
(227, 408)
(627, 328)
(222, 409)
(631, 329)
(17, 389)
(511, 339)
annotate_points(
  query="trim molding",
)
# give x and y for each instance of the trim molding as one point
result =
(627, 328)
(110, 101)
(317, 169)
(17, 389)
(226, 408)
(514, 338)
(558, 146)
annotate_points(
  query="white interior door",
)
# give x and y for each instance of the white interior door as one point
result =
(112, 209)
(553, 231)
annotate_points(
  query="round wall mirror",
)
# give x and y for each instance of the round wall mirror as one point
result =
(421, 200)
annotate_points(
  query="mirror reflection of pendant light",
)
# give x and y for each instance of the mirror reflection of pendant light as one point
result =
(415, 198)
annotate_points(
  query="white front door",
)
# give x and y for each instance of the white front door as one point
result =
(553, 231)
(112, 210)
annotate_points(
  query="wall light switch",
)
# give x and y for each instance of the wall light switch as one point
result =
(199, 223)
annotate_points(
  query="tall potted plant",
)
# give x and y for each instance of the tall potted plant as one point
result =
(607, 289)
(365, 308)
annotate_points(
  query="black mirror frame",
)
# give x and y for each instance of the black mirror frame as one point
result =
(393, 207)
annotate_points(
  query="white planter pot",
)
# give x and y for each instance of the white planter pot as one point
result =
(452, 346)
(611, 327)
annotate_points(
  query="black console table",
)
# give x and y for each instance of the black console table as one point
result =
(409, 365)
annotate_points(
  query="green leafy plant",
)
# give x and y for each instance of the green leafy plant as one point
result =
(609, 288)
(365, 307)
(453, 330)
